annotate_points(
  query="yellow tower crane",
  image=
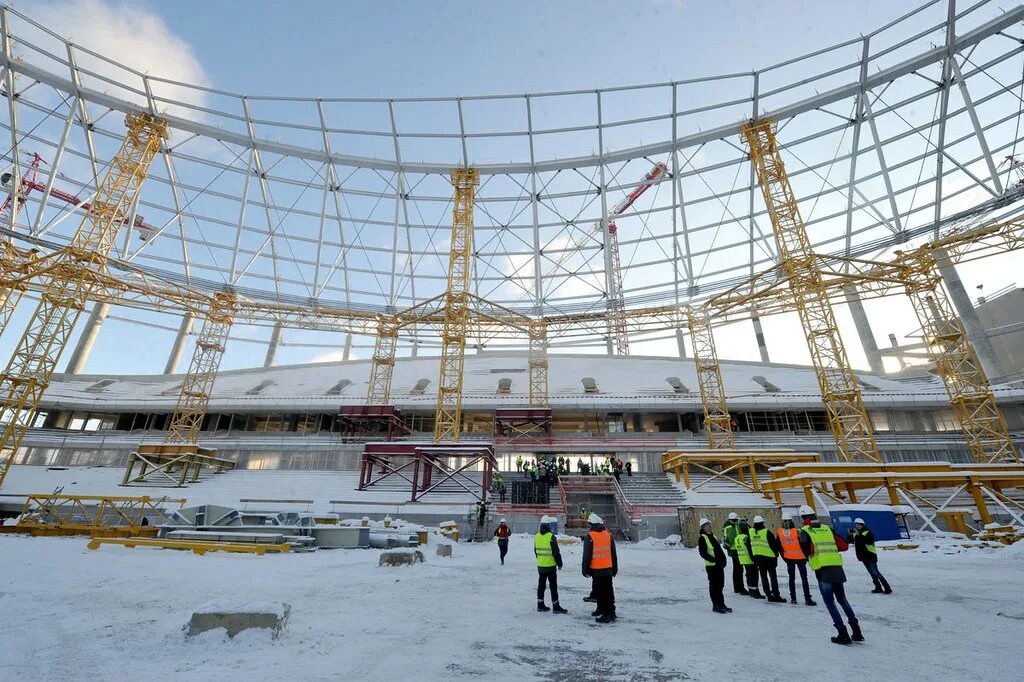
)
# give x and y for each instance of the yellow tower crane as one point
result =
(840, 392)
(456, 308)
(717, 420)
(66, 291)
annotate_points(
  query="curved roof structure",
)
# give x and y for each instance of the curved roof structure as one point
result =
(347, 201)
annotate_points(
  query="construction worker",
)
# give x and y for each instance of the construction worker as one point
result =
(765, 549)
(601, 562)
(864, 542)
(714, 563)
(503, 533)
(822, 546)
(549, 562)
(746, 560)
(519, 463)
(795, 560)
(729, 540)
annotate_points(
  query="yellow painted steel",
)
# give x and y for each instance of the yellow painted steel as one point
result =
(717, 420)
(840, 392)
(448, 421)
(66, 294)
(956, 363)
(187, 421)
(538, 363)
(382, 365)
(59, 514)
(196, 546)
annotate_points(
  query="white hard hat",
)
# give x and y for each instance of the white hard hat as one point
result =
(545, 519)
(703, 521)
(733, 516)
(594, 518)
(806, 510)
(502, 519)
(758, 519)
(859, 520)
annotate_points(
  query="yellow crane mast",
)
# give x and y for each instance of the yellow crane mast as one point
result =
(956, 363)
(537, 361)
(456, 308)
(840, 392)
(65, 293)
(717, 420)
(382, 365)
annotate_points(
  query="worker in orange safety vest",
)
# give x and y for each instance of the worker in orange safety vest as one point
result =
(601, 563)
(794, 557)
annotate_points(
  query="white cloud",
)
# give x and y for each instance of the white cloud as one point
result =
(125, 33)
(333, 356)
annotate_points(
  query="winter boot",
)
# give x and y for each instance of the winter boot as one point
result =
(878, 588)
(792, 597)
(856, 635)
(843, 637)
(756, 594)
(809, 601)
(590, 599)
(885, 587)
(596, 613)
(719, 609)
(604, 618)
(556, 608)
(541, 607)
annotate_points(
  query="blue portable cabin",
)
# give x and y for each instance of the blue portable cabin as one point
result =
(882, 519)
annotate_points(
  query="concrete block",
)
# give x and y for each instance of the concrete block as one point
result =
(235, 619)
(444, 550)
(400, 558)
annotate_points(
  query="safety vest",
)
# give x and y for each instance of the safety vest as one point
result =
(790, 541)
(602, 549)
(870, 547)
(542, 546)
(743, 549)
(729, 534)
(825, 551)
(711, 548)
(504, 532)
(759, 543)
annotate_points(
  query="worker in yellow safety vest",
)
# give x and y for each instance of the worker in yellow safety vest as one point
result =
(765, 548)
(822, 546)
(794, 557)
(742, 546)
(549, 562)
(864, 542)
(714, 564)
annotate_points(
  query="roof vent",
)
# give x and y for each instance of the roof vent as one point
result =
(339, 387)
(255, 390)
(589, 385)
(504, 386)
(420, 387)
(768, 386)
(100, 386)
(677, 385)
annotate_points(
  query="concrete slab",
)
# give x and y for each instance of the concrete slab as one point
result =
(407, 558)
(235, 619)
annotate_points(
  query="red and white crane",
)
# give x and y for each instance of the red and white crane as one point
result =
(11, 205)
(616, 295)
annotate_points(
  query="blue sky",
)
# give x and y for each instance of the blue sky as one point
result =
(412, 49)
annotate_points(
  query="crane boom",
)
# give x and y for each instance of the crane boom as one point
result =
(616, 295)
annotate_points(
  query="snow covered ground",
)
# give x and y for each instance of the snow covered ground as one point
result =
(70, 613)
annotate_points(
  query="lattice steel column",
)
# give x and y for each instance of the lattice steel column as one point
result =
(187, 420)
(66, 292)
(970, 396)
(538, 363)
(840, 392)
(620, 332)
(456, 314)
(717, 420)
(382, 365)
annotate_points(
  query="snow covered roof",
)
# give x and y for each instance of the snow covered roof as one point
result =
(575, 382)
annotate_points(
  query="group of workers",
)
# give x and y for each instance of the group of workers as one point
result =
(754, 552)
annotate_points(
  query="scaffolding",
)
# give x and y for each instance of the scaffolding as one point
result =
(67, 288)
(717, 420)
(840, 392)
(456, 309)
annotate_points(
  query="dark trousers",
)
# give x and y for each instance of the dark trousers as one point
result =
(832, 593)
(737, 572)
(605, 594)
(502, 549)
(876, 576)
(716, 583)
(769, 577)
(751, 571)
(552, 580)
(793, 565)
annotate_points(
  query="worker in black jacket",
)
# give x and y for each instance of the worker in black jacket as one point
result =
(864, 542)
(601, 562)
(714, 563)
